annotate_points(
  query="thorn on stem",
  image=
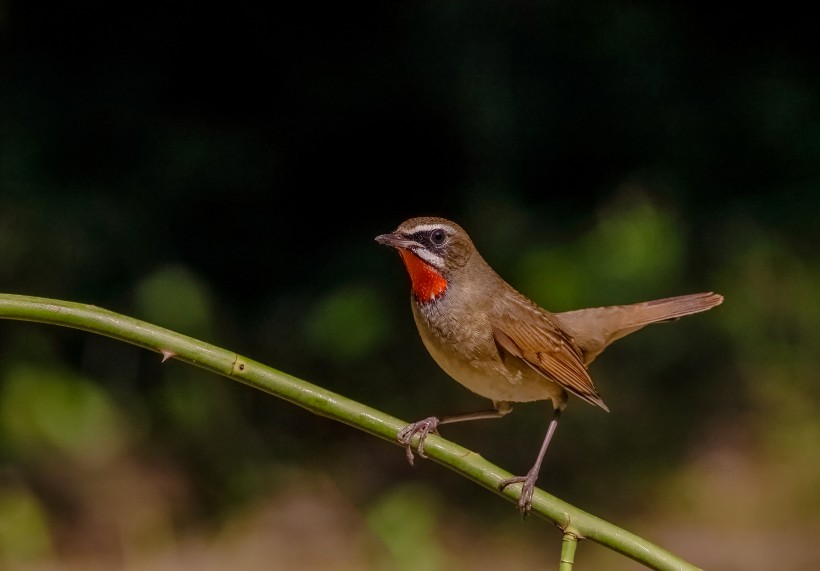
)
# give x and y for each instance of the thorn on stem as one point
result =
(166, 354)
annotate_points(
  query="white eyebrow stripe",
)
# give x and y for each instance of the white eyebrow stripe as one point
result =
(428, 227)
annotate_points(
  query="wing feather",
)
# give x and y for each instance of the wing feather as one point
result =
(550, 352)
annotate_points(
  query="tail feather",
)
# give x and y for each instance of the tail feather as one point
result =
(594, 328)
(671, 308)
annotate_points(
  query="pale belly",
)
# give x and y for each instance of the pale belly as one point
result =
(510, 381)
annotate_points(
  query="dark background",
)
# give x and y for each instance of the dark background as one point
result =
(222, 170)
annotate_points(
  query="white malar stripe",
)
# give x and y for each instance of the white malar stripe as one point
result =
(433, 259)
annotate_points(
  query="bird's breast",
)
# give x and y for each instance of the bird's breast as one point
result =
(465, 349)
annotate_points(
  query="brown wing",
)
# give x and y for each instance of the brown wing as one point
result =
(549, 351)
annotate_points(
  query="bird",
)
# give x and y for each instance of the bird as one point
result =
(500, 344)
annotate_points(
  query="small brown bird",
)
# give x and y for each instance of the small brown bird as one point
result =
(500, 344)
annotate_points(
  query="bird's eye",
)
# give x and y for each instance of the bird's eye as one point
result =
(438, 236)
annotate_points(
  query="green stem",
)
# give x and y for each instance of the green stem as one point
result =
(568, 546)
(329, 404)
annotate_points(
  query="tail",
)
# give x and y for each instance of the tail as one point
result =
(594, 328)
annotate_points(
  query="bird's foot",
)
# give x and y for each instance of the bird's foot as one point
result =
(527, 490)
(422, 428)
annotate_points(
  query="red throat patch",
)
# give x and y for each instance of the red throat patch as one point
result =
(428, 284)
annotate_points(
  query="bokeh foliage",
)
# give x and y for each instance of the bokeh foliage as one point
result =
(223, 173)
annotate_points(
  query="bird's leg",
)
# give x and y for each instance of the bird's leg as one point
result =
(525, 500)
(430, 424)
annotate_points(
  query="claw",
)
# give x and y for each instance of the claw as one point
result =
(422, 428)
(527, 490)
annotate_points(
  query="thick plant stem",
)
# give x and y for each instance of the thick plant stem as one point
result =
(573, 521)
(568, 546)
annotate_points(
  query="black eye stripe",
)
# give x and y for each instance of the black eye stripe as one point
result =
(430, 237)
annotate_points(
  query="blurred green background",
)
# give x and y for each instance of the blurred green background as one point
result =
(222, 170)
